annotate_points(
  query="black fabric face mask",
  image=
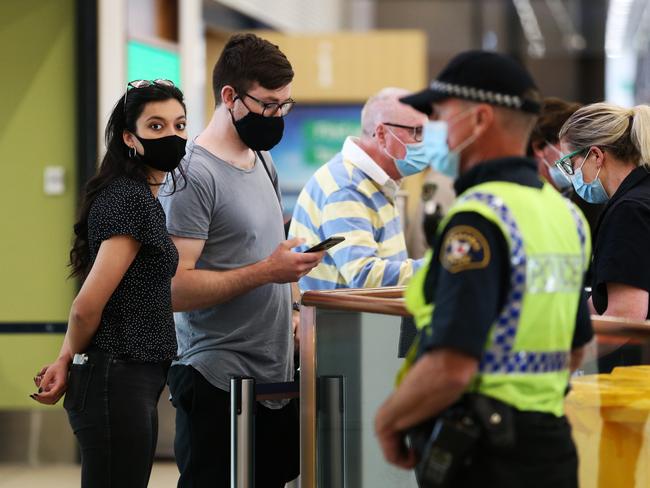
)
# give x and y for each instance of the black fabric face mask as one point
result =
(258, 132)
(163, 154)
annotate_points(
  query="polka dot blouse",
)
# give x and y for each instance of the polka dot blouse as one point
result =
(137, 322)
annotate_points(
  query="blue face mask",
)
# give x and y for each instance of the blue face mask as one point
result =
(442, 159)
(558, 177)
(593, 192)
(560, 180)
(415, 160)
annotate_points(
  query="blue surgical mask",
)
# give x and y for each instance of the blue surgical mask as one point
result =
(442, 160)
(560, 180)
(593, 192)
(415, 160)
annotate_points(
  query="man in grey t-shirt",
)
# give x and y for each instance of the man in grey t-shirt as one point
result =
(232, 286)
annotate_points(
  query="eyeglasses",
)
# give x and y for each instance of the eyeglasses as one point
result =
(565, 163)
(271, 108)
(146, 84)
(415, 131)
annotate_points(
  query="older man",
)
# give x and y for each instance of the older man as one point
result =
(353, 196)
(482, 393)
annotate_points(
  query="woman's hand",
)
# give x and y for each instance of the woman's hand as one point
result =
(52, 382)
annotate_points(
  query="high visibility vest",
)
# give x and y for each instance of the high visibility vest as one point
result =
(525, 362)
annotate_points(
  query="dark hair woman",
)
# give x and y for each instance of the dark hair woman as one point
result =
(544, 144)
(121, 339)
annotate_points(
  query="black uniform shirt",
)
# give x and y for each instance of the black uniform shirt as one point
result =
(470, 294)
(622, 239)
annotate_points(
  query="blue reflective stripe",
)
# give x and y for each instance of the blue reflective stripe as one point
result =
(505, 327)
(582, 233)
(500, 357)
(526, 362)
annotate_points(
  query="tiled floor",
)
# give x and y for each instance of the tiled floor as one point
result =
(164, 475)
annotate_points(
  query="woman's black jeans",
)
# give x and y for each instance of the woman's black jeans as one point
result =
(112, 408)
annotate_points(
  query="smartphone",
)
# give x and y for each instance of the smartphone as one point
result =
(326, 244)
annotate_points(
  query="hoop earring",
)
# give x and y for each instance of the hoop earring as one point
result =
(132, 152)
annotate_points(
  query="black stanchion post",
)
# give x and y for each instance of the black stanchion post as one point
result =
(242, 432)
(331, 438)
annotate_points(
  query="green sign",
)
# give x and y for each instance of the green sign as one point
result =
(323, 138)
(149, 62)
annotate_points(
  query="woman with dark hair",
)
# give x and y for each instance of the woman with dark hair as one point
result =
(121, 339)
(544, 146)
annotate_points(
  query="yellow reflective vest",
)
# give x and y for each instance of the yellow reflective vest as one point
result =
(525, 362)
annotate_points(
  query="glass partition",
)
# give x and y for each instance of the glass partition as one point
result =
(361, 349)
(349, 342)
(608, 406)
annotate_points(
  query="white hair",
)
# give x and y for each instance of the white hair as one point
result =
(380, 106)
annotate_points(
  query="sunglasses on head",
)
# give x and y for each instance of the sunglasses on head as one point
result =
(147, 83)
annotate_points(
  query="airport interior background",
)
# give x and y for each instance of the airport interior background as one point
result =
(65, 62)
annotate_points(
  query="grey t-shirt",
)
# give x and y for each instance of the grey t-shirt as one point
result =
(238, 214)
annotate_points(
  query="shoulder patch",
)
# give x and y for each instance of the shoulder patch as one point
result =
(464, 248)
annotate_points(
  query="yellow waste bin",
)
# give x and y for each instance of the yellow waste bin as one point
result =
(609, 413)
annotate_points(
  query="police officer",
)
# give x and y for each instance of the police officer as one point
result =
(506, 274)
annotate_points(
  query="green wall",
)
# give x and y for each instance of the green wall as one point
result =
(37, 129)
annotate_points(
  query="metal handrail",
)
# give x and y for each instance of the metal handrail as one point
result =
(357, 301)
(390, 301)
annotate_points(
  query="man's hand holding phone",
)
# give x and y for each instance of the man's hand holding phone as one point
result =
(287, 266)
(326, 244)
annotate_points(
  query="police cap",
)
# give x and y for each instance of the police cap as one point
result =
(484, 77)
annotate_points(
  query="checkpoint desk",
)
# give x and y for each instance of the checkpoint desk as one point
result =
(348, 362)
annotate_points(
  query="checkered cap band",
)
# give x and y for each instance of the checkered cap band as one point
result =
(477, 94)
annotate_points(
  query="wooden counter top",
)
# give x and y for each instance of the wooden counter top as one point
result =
(390, 301)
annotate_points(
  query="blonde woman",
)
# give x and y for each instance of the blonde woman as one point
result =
(607, 157)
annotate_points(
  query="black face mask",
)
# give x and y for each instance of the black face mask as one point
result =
(258, 132)
(163, 154)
